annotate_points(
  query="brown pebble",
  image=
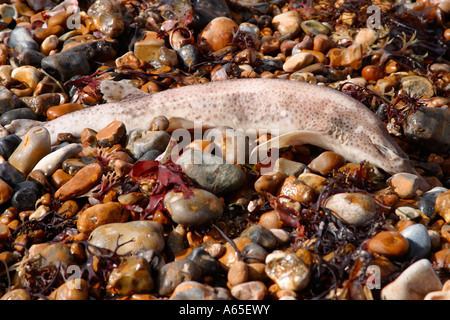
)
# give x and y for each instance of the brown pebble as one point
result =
(100, 214)
(73, 289)
(326, 162)
(238, 273)
(269, 182)
(112, 134)
(62, 109)
(389, 243)
(6, 192)
(59, 178)
(297, 190)
(442, 205)
(84, 180)
(160, 123)
(270, 220)
(68, 209)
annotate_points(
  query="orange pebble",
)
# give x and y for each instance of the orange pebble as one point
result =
(62, 109)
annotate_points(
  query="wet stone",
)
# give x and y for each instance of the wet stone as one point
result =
(20, 39)
(146, 235)
(112, 134)
(176, 272)
(132, 275)
(289, 167)
(218, 33)
(101, 214)
(8, 144)
(428, 201)
(352, 208)
(25, 195)
(418, 239)
(142, 141)
(207, 10)
(108, 17)
(314, 27)
(287, 270)
(298, 61)
(408, 213)
(73, 165)
(153, 257)
(10, 174)
(404, 185)
(238, 273)
(288, 23)
(261, 236)
(204, 260)
(251, 290)
(34, 146)
(151, 155)
(413, 283)
(82, 182)
(389, 243)
(6, 100)
(65, 65)
(326, 162)
(53, 161)
(254, 253)
(442, 205)
(201, 208)
(419, 86)
(193, 290)
(189, 55)
(19, 113)
(210, 172)
(16, 294)
(74, 289)
(6, 192)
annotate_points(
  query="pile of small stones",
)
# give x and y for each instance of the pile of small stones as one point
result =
(104, 216)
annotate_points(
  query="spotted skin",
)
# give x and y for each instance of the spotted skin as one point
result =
(311, 114)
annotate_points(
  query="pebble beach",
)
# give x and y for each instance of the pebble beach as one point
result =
(107, 214)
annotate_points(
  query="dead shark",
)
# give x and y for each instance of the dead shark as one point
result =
(302, 113)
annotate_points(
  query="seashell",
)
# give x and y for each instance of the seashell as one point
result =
(7, 10)
(180, 37)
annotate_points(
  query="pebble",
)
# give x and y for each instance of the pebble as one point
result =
(201, 208)
(8, 144)
(142, 141)
(206, 10)
(389, 243)
(314, 27)
(6, 100)
(288, 23)
(261, 236)
(51, 162)
(193, 290)
(146, 235)
(16, 294)
(326, 162)
(354, 209)
(101, 214)
(83, 181)
(21, 39)
(414, 283)
(287, 270)
(442, 205)
(19, 113)
(408, 213)
(417, 85)
(211, 172)
(429, 128)
(62, 109)
(174, 273)
(254, 253)
(251, 290)
(269, 182)
(418, 239)
(108, 17)
(6, 192)
(208, 264)
(238, 273)
(298, 61)
(25, 195)
(10, 174)
(74, 289)
(73, 165)
(148, 49)
(404, 185)
(133, 275)
(297, 190)
(65, 65)
(427, 203)
(218, 33)
(34, 146)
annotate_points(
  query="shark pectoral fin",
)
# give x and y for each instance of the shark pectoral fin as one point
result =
(289, 139)
(115, 91)
(20, 127)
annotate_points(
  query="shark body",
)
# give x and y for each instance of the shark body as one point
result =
(301, 113)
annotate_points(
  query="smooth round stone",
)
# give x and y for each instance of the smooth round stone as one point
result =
(418, 239)
(314, 27)
(297, 190)
(41, 103)
(62, 109)
(326, 162)
(207, 10)
(210, 172)
(25, 195)
(28, 75)
(238, 273)
(15, 114)
(442, 205)
(176, 272)
(288, 23)
(108, 17)
(204, 260)
(193, 290)
(21, 39)
(287, 270)
(261, 236)
(251, 290)
(427, 203)
(429, 128)
(101, 214)
(404, 185)
(414, 283)
(271, 65)
(417, 85)
(53, 161)
(408, 213)
(65, 65)
(133, 275)
(10, 174)
(289, 167)
(298, 61)
(201, 208)
(6, 192)
(83, 181)
(16, 294)
(354, 209)
(34, 146)
(254, 253)
(146, 235)
(73, 165)
(112, 134)
(142, 141)
(6, 100)
(218, 33)
(367, 37)
(151, 155)
(74, 289)
(8, 144)
(389, 243)
(189, 55)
